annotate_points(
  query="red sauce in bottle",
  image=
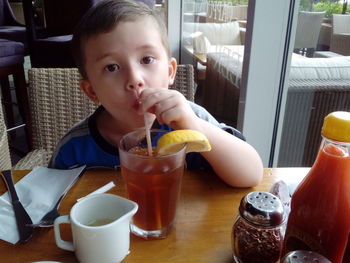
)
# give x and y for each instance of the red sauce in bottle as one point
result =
(320, 207)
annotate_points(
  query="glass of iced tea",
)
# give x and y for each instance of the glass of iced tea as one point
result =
(153, 182)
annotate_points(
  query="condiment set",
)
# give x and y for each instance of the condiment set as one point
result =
(319, 209)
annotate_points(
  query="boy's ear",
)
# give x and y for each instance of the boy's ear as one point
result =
(86, 87)
(172, 70)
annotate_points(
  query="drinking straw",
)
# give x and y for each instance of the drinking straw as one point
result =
(148, 135)
(100, 190)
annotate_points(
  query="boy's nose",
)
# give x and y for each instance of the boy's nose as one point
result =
(135, 85)
(135, 81)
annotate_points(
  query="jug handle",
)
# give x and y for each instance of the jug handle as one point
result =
(66, 245)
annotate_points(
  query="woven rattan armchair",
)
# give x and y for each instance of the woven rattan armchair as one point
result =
(340, 40)
(184, 81)
(56, 104)
(308, 30)
(5, 158)
(312, 94)
(308, 102)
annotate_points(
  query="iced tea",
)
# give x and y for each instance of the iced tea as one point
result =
(154, 182)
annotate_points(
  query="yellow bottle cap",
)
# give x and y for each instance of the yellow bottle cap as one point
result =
(336, 126)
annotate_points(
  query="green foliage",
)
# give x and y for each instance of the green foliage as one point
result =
(305, 5)
(330, 8)
(233, 2)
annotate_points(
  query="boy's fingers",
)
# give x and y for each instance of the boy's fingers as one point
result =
(169, 116)
(152, 109)
(150, 102)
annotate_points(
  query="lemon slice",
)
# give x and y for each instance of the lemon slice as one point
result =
(173, 141)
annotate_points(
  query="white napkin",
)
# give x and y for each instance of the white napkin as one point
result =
(38, 192)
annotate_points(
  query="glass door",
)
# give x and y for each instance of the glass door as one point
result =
(284, 88)
(319, 79)
(213, 38)
(241, 54)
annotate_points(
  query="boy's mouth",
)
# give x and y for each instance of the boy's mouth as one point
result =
(136, 104)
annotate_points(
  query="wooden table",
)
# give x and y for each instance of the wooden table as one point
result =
(199, 57)
(206, 212)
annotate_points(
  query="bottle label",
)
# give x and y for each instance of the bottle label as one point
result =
(297, 239)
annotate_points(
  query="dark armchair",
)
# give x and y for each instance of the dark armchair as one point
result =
(10, 28)
(50, 47)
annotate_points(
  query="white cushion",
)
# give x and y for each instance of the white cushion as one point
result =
(320, 68)
(201, 43)
(217, 33)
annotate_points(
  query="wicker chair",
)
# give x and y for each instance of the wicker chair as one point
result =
(310, 98)
(5, 158)
(56, 104)
(340, 40)
(308, 102)
(308, 30)
(184, 81)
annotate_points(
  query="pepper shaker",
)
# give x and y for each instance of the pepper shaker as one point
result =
(257, 234)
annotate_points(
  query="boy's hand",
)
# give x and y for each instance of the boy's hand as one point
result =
(169, 106)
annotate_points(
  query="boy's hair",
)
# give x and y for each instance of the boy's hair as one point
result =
(103, 17)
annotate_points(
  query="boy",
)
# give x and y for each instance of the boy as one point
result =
(123, 55)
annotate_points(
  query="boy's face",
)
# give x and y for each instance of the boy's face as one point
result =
(121, 63)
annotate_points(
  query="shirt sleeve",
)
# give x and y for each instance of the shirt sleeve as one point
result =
(196, 160)
(205, 115)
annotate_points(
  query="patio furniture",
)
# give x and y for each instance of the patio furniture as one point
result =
(326, 54)
(57, 103)
(235, 13)
(340, 39)
(49, 47)
(220, 12)
(11, 64)
(216, 33)
(5, 158)
(184, 81)
(316, 87)
(10, 28)
(308, 30)
(324, 38)
(202, 38)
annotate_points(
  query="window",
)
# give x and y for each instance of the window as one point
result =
(282, 95)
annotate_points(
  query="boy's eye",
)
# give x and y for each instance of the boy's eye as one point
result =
(112, 67)
(147, 60)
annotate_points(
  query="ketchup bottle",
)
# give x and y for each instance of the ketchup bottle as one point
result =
(320, 207)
